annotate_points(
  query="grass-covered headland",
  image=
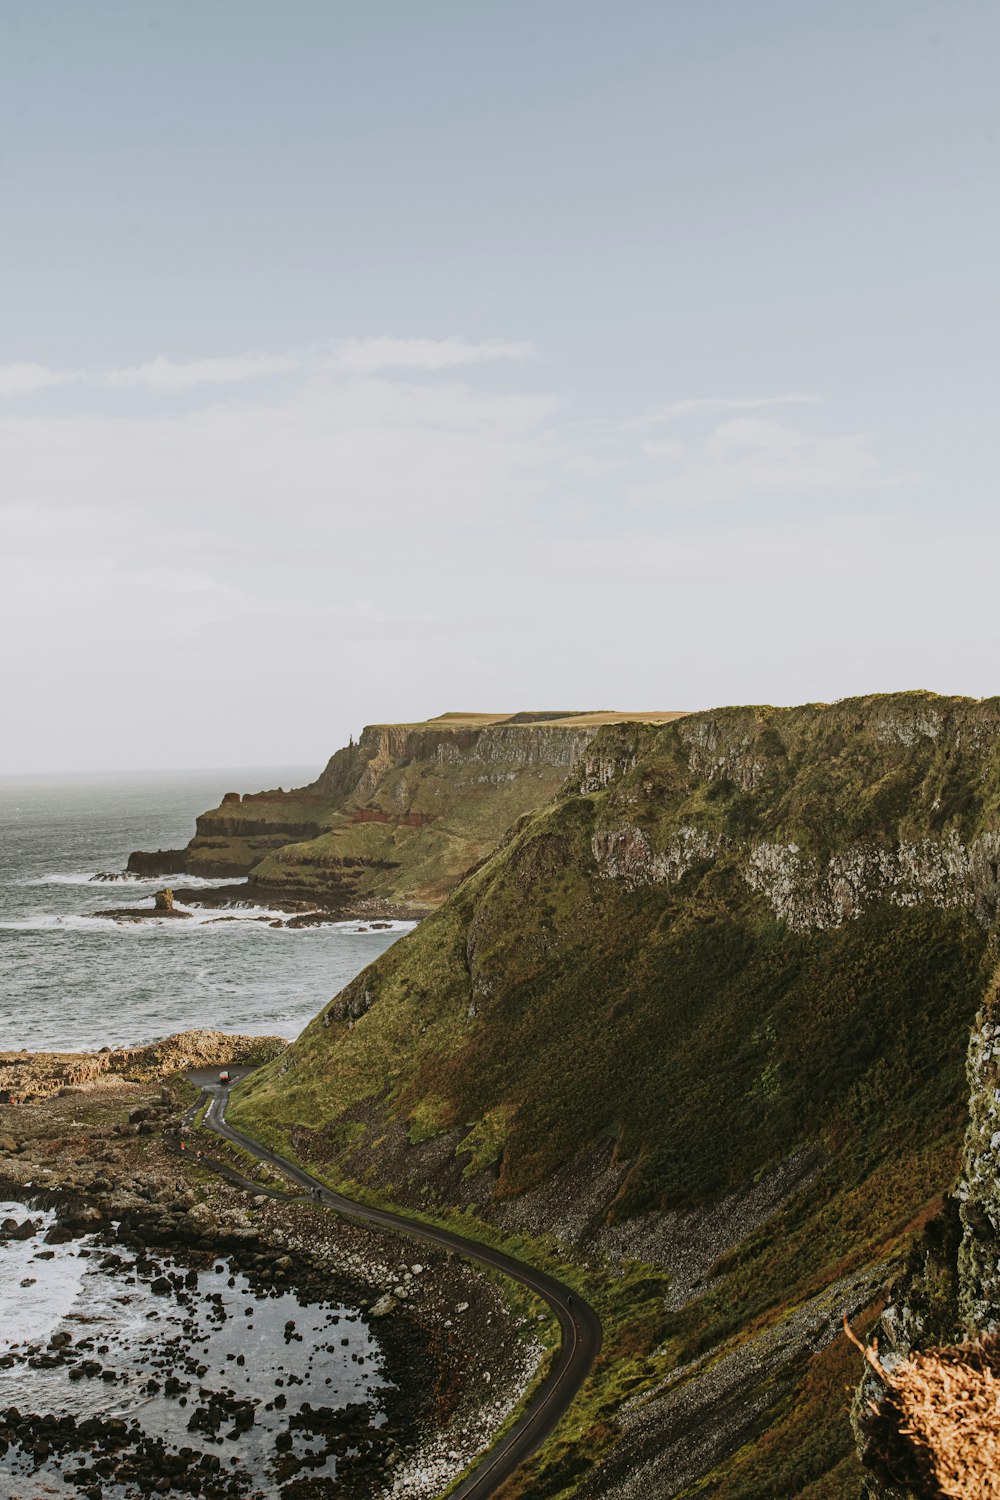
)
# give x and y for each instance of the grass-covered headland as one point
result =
(395, 820)
(696, 1031)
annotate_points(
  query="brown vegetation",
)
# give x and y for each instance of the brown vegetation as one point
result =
(939, 1419)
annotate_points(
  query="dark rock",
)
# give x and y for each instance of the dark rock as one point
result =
(162, 862)
(10, 1229)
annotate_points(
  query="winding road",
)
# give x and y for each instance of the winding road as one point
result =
(579, 1325)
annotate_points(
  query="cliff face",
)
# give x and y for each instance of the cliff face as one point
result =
(943, 1320)
(230, 839)
(706, 1010)
(395, 819)
(410, 809)
(979, 1190)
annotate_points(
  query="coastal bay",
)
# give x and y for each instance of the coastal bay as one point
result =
(165, 1323)
(72, 977)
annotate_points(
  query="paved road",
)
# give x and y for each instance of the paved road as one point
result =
(578, 1322)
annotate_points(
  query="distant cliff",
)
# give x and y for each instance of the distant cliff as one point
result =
(700, 1022)
(396, 819)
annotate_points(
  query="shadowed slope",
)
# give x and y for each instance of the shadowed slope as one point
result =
(746, 939)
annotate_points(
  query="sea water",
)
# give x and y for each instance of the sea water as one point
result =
(73, 979)
(214, 1331)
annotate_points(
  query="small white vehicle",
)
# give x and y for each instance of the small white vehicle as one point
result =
(224, 1076)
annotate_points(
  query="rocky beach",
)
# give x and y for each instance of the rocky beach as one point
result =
(178, 1319)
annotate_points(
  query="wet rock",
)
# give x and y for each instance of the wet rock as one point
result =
(59, 1234)
(83, 1219)
(10, 1229)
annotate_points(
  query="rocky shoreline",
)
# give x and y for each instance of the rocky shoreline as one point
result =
(103, 1158)
(297, 911)
(29, 1076)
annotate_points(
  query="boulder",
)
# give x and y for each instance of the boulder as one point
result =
(200, 1220)
(385, 1305)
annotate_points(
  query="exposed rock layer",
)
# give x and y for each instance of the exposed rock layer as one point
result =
(398, 817)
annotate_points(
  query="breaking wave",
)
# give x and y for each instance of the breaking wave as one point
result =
(113, 879)
(266, 918)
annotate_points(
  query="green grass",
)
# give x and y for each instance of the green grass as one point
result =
(546, 1009)
(417, 865)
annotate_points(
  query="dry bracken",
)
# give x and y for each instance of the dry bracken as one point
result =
(945, 1406)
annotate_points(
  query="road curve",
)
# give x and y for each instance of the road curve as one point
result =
(579, 1324)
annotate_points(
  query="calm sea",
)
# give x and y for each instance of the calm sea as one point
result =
(73, 979)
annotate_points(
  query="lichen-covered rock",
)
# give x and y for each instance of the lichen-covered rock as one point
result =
(809, 893)
(352, 1003)
(626, 854)
(952, 1292)
(825, 811)
(979, 1256)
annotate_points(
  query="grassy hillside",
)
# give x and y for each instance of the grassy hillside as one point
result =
(721, 986)
(395, 820)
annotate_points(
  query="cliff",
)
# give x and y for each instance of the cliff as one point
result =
(394, 820)
(697, 1026)
(926, 1415)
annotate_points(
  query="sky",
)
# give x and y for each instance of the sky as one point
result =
(365, 361)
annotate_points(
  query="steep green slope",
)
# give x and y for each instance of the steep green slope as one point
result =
(719, 991)
(394, 820)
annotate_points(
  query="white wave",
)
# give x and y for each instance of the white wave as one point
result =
(357, 925)
(50, 922)
(205, 916)
(152, 882)
(33, 1317)
(198, 918)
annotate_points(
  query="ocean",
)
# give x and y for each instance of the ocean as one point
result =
(72, 979)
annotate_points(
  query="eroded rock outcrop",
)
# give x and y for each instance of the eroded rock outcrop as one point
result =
(28, 1076)
(925, 1416)
(396, 818)
(979, 1191)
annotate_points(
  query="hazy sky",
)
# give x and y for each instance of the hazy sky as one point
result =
(365, 360)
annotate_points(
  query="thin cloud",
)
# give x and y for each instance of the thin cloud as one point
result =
(353, 357)
(366, 356)
(748, 456)
(723, 403)
(26, 379)
(167, 375)
(157, 374)
(307, 527)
